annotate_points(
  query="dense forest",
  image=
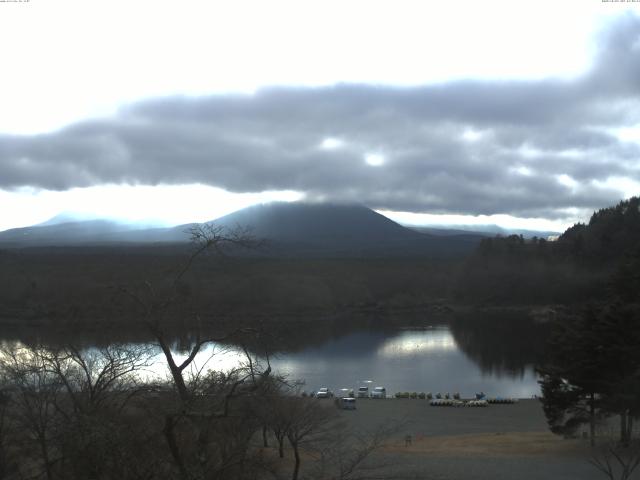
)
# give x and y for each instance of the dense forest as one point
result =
(575, 267)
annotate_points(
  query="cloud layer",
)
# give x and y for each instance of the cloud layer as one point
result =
(525, 148)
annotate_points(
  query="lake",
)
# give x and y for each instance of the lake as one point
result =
(426, 359)
(487, 352)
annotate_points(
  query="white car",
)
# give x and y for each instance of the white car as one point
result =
(363, 392)
(379, 392)
(324, 392)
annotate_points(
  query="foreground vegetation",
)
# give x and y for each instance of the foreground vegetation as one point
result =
(75, 415)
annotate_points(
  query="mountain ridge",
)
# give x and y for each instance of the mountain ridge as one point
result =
(290, 229)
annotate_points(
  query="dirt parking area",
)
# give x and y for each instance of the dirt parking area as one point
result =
(421, 419)
(498, 442)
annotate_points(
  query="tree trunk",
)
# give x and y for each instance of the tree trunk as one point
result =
(45, 457)
(626, 426)
(592, 420)
(169, 434)
(176, 373)
(623, 429)
(281, 447)
(265, 442)
(296, 467)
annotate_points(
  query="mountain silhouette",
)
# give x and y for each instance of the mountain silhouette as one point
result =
(289, 229)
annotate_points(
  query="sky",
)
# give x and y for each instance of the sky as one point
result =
(517, 113)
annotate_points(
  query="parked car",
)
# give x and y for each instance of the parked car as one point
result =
(346, 403)
(346, 393)
(379, 392)
(324, 392)
(363, 392)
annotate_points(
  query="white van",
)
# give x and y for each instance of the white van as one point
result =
(379, 392)
(363, 392)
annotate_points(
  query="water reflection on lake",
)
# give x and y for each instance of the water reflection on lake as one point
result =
(494, 355)
(427, 360)
(412, 343)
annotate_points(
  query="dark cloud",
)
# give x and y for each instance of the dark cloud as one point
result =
(530, 132)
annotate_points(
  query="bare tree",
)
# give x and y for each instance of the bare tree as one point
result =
(97, 377)
(34, 393)
(195, 417)
(338, 451)
(277, 416)
(346, 454)
(615, 460)
(4, 403)
(205, 238)
(307, 418)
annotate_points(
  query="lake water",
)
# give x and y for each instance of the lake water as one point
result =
(467, 353)
(426, 359)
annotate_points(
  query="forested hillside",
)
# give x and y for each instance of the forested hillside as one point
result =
(575, 267)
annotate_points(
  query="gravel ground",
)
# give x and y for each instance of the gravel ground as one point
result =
(497, 442)
(422, 419)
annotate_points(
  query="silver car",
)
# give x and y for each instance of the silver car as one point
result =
(324, 392)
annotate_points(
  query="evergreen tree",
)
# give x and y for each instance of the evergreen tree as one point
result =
(571, 379)
(593, 370)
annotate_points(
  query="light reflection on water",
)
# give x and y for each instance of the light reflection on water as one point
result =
(426, 360)
(416, 343)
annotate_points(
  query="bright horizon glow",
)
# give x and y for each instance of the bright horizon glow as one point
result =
(161, 205)
(503, 221)
(157, 206)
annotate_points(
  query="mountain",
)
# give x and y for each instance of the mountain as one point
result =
(290, 229)
(324, 229)
(308, 222)
(53, 232)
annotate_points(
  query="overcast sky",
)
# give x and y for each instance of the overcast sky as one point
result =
(524, 114)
